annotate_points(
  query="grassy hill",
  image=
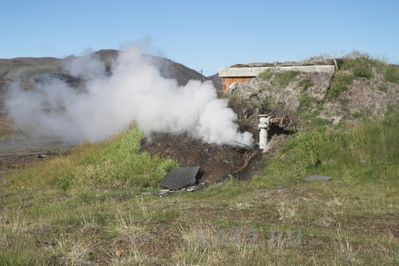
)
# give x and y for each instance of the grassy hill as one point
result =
(97, 206)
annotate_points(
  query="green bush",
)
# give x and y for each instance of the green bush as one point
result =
(361, 67)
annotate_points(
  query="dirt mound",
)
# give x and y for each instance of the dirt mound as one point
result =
(217, 162)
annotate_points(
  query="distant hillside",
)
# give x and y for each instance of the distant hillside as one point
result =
(169, 68)
(26, 69)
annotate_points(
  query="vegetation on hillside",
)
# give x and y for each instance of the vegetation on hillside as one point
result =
(391, 74)
(339, 84)
(94, 206)
(361, 67)
(364, 152)
(111, 164)
(280, 79)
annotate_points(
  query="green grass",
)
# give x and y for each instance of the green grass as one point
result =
(306, 84)
(284, 78)
(308, 112)
(306, 101)
(111, 164)
(339, 84)
(276, 218)
(361, 67)
(391, 74)
(266, 75)
(281, 79)
(359, 152)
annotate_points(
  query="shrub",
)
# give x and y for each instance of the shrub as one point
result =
(361, 67)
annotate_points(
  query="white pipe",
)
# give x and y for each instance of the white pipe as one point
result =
(264, 122)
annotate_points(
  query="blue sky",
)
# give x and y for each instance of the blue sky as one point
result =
(204, 35)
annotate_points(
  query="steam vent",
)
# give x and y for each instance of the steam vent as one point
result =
(244, 73)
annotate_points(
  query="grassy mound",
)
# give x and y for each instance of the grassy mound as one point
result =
(112, 164)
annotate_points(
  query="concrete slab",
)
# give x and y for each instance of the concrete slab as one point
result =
(255, 71)
(179, 178)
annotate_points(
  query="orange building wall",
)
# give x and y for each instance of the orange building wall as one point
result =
(228, 81)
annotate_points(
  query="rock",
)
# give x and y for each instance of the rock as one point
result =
(164, 192)
(180, 178)
(318, 178)
(167, 192)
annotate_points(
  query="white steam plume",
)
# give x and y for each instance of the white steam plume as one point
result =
(135, 93)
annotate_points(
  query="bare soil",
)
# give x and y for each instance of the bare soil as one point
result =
(217, 162)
